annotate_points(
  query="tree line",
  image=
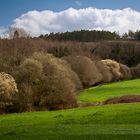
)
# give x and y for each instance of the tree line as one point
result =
(82, 36)
(92, 36)
(131, 35)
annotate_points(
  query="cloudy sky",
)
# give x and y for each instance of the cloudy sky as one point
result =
(45, 16)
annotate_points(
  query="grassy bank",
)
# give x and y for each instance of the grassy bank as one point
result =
(104, 92)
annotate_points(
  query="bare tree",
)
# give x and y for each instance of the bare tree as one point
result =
(14, 33)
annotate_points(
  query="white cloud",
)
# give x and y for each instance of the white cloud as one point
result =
(42, 22)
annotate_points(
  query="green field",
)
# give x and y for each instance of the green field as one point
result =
(103, 92)
(108, 122)
(88, 123)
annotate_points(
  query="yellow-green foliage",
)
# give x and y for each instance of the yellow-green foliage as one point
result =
(114, 68)
(8, 88)
(105, 71)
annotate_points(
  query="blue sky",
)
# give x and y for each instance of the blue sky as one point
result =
(46, 16)
(11, 9)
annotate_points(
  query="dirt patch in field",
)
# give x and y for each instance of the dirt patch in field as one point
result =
(81, 105)
(123, 99)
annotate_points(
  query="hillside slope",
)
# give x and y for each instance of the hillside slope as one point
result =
(104, 92)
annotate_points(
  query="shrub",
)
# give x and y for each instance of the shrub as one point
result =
(58, 92)
(28, 78)
(113, 67)
(45, 59)
(72, 75)
(125, 72)
(29, 71)
(58, 89)
(50, 82)
(85, 69)
(136, 71)
(104, 70)
(8, 89)
(25, 99)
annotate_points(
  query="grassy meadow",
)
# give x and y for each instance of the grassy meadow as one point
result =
(106, 91)
(110, 120)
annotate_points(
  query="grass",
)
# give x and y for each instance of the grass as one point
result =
(103, 92)
(102, 122)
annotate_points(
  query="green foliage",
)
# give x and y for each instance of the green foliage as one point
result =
(132, 35)
(83, 36)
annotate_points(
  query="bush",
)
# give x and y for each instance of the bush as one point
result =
(25, 99)
(29, 71)
(44, 59)
(8, 89)
(136, 71)
(58, 89)
(28, 78)
(113, 67)
(85, 69)
(72, 75)
(46, 82)
(104, 70)
(125, 72)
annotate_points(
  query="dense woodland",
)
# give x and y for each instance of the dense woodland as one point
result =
(91, 36)
(82, 36)
(45, 74)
